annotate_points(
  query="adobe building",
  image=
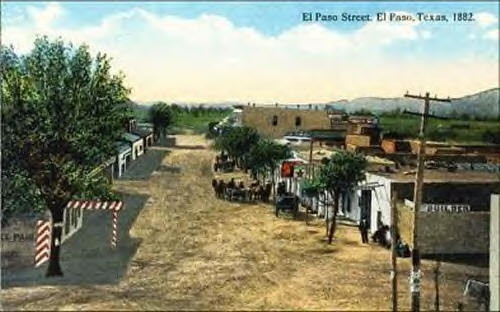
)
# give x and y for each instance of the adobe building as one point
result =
(123, 158)
(363, 135)
(276, 121)
(444, 228)
(136, 144)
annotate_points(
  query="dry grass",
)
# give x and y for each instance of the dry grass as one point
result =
(198, 252)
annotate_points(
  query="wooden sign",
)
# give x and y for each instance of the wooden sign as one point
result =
(453, 208)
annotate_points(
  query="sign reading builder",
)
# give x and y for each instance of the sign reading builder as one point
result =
(453, 208)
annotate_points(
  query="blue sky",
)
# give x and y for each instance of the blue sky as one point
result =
(264, 52)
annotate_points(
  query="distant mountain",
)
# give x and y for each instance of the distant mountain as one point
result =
(482, 104)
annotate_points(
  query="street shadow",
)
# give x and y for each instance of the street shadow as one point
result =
(87, 257)
(190, 147)
(169, 169)
(322, 251)
(145, 165)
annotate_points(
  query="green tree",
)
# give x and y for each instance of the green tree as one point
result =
(62, 111)
(160, 115)
(265, 157)
(237, 142)
(339, 174)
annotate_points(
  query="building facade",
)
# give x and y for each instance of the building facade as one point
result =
(124, 156)
(136, 144)
(372, 198)
(277, 121)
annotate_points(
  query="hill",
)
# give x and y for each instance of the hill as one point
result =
(484, 104)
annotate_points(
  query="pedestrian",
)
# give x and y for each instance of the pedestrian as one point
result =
(363, 229)
(231, 184)
(217, 163)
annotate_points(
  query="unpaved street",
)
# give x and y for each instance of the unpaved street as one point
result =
(180, 248)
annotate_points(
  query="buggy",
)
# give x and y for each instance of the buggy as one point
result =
(287, 202)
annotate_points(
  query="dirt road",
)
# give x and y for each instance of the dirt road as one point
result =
(180, 248)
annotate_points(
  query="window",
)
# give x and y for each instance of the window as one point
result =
(275, 120)
(298, 121)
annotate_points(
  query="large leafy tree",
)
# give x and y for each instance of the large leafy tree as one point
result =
(160, 114)
(338, 175)
(62, 111)
(237, 142)
(266, 155)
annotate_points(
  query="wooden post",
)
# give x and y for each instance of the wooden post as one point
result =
(394, 272)
(417, 198)
(310, 160)
(436, 285)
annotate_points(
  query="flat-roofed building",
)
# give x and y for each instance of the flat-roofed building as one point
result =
(136, 144)
(276, 121)
(455, 207)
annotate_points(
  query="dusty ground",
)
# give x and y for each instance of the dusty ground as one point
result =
(182, 249)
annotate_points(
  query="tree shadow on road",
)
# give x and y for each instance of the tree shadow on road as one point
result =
(170, 169)
(145, 165)
(87, 258)
(190, 147)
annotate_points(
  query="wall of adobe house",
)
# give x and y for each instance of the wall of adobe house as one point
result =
(446, 233)
(261, 119)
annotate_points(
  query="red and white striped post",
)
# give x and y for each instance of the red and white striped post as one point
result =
(114, 206)
(42, 243)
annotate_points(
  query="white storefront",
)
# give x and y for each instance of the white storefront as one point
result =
(124, 156)
(136, 144)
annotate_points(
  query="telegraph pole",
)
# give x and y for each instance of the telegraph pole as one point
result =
(394, 272)
(417, 199)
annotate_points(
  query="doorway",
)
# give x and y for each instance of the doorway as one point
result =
(366, 205)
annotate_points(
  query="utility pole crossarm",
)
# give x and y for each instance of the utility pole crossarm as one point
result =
(420, 97)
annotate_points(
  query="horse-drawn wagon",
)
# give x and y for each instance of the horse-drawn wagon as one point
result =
(287, 202)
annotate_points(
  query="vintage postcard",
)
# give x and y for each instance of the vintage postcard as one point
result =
(254, 155)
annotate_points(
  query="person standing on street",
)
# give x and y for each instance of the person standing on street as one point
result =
(363, 229)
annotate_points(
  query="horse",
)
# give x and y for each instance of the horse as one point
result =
(221, 186)
(380, 236)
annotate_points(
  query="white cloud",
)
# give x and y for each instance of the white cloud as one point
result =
(425, 34)
(208, 58)
(485, 19)
(492, 34)
(44, 18)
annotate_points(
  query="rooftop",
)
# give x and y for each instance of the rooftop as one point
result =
(407, 174)
(142, 132)
(122, 147)
(130, 137)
